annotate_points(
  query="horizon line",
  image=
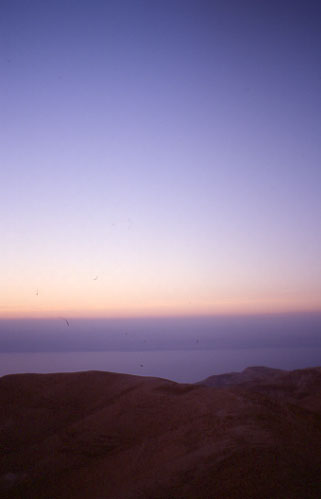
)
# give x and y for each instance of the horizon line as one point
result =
(164, 316)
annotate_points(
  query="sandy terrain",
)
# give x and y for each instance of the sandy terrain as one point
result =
(93, 434)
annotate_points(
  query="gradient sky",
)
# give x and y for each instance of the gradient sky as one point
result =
(171, 148)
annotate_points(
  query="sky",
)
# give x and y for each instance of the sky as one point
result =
(159, 158)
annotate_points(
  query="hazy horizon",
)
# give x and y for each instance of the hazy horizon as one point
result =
(162, 333)
(181, 349)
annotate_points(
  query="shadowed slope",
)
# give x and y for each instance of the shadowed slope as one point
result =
(99, 434)
(236, 378)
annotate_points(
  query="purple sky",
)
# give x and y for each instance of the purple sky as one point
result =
(170, 148)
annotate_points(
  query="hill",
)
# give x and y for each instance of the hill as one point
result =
(93, 434)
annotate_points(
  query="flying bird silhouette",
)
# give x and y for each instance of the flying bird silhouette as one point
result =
(67, 322)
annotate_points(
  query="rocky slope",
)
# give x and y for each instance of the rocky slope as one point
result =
(254, 434)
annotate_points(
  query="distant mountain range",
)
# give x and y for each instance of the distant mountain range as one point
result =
(254, 434)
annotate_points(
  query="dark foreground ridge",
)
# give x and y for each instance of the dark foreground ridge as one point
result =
(254, 434)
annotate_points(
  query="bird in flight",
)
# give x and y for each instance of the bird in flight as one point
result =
(95, 278)
(67, 322)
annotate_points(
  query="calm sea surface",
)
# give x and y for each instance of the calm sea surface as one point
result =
(178, 365)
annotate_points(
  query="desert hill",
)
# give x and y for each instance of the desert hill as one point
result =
(93, 434)
(300, 387)
(256, 373)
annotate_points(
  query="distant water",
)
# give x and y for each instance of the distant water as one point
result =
(178, 365)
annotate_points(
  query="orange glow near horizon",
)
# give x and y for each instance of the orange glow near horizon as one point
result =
(164, 293)
(226, 308)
